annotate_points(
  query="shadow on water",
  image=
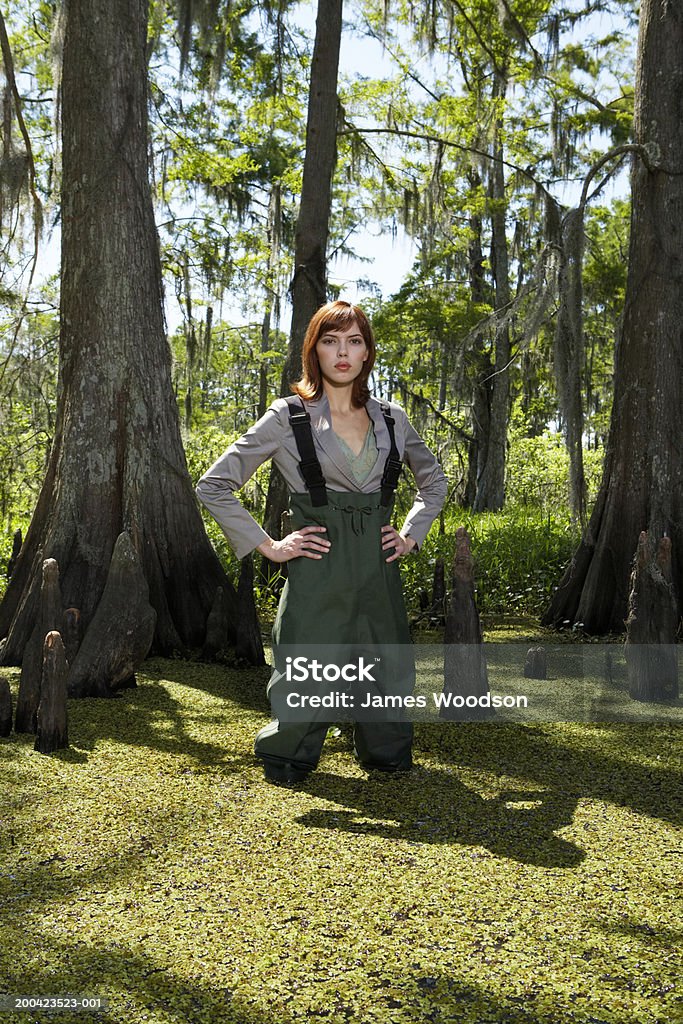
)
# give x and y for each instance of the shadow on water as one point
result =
(139, 987)
(149, 716)
(430, 806)
(594, 769)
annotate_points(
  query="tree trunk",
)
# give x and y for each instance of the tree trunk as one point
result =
(481, 393)
(249, 643)
(117, 461)
(309, 284)
(5, 708)
(568, 351)
(491, 480)
(642, 485)
(271, 298)
(16, 548)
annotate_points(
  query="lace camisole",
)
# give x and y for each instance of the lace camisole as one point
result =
(361, 464)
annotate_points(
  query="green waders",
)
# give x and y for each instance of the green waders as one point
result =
(351, 599)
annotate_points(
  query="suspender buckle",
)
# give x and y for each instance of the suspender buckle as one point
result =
(299, 417)
(392, 471)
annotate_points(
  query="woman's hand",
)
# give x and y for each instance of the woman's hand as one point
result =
(302, 543)
(391, 538)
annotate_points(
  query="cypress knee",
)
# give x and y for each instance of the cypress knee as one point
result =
(52, 731)
(49, 618)
(536, 664)
(437, 613)
(650, 649)
(465, 672)
(71, 633)
(249, 644)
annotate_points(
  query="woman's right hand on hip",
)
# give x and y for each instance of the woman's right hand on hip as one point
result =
(303, 543)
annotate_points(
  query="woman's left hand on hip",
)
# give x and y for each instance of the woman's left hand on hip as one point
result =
(391, 538)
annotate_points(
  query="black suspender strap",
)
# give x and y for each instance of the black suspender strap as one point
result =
(310, 467)
(393, 465)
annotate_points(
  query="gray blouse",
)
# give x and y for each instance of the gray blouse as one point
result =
(272, 438)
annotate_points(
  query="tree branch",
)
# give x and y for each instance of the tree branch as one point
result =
(439, 415)
(618, 151)
(426, 137)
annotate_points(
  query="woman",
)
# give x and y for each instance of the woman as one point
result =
(339, 451)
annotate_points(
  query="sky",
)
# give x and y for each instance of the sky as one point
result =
(388, 256)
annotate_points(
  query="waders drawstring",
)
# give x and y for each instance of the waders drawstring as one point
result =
(357, 513)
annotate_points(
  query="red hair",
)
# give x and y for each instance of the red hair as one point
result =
(334, 314)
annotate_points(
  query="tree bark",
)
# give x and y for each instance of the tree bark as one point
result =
(117, 461)
(5, 708)
(568, 351)
(465, 671)
(49, 618)
(651, 654)
(483, 368)
(52, 731)
(120, 632)
(16, 548)
(642, 485)
(309, 284)
(490, 495)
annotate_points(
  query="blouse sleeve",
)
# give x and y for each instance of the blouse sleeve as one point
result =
(231, 471)
(431, 483)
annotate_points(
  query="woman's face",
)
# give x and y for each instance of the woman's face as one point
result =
(341, 353)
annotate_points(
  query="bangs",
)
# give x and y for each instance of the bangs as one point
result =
(343, 317)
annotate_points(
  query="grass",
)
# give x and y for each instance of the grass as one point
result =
(520, 875)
